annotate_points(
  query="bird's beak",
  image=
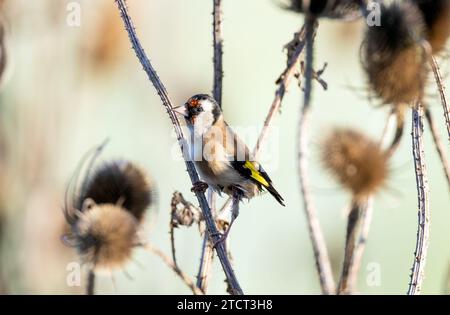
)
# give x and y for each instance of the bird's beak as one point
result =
(181, 110)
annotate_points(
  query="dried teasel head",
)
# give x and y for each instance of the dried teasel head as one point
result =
(355, 161)
(106, 213)
(392, 54)
(335, 9)
(119, 182)
(105, 235)
(436, 14)
(183, 212)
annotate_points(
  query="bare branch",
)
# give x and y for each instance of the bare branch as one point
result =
(206, 260)
(441, 88)
(171, 264)
(162, 92)
(438, 144)
(207, 248)
(295, 49)
(360, 218)
(90, 283)
(423, 228)
(317, 239)
(218, 51)
(207, 253)
(398, 111)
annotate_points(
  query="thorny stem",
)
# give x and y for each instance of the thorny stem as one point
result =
(169, 262)
(358, 226)
(441, 88)
(206, 260)
(90, 283)
(438, 144)
(207, 249)
(162, 92)
(420, 253)
(172, 244)
(218, 51)
(356, 242)
(207, 253)
(317, 239)
(288, 74)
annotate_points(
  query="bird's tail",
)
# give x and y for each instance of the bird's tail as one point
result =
(275, 194)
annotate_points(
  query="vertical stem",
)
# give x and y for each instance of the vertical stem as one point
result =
(423, 228)
(317, 239)
(218, 51)
(206, 260)
(438, 144)
(207, 253)
(441, 88)
(358, 227)
(207, 248)
(90, 283)
(285, 81)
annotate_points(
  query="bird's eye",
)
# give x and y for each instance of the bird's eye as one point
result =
(199, 109)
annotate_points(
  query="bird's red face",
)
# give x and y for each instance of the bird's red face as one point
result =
(197, 107)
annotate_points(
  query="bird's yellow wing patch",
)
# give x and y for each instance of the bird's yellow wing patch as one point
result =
(255, 174)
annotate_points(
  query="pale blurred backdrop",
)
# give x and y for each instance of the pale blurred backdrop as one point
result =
(68, 88)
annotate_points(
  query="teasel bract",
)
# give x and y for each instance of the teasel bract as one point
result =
(334, 9)
(393, 56)
(106, 213)
(436, 14)
(395, 61)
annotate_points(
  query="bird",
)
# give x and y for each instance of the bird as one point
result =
(222, 159)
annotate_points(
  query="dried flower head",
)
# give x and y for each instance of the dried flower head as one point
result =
(356, 161)
(393, 57)
(183, 212)
(106, 214)
(436, 14)
(105, 235)
(119, 182)
(336, 9)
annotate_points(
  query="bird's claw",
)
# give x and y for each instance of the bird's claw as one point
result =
(199, 187)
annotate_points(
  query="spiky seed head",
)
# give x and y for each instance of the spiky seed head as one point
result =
(436, 14)
(392, 55)
(105, 235)
(119, 182)
(355, 161)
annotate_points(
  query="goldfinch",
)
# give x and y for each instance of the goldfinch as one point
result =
(223, 161)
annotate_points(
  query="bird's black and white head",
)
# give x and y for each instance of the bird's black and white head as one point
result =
(201, 112)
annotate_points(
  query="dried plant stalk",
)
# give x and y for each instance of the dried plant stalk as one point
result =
(169, 262)
(207, 248)
(423, 228)
(206, 261)
(207, 252)
(218, 51)
(438, 144)
(162, 92)
(298, 44)
(90, 283)
(317, 239)
(441, 88)
(360, 218)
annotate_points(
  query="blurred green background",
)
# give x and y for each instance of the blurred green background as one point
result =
(68, 88)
